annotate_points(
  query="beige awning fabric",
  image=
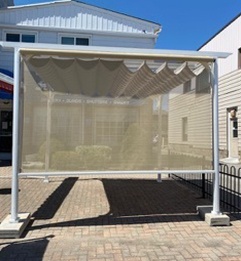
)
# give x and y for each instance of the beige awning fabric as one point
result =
(108, 77)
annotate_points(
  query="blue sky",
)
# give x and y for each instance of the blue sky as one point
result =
(187, 24)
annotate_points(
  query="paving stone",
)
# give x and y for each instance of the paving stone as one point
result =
(119, 218)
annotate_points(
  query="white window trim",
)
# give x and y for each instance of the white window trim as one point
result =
(20, 32)
(87, 36)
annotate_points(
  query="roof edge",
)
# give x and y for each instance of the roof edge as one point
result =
(117, 51)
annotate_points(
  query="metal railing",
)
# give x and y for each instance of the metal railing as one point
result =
(230, 186)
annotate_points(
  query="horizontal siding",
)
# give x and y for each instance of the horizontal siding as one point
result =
(48, 37)
(229, 96)
(115, 41)
(229, 83)
(198, 111)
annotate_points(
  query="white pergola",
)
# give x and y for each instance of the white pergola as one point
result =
(110, 53)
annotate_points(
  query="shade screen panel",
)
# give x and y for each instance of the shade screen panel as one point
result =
(113, 115)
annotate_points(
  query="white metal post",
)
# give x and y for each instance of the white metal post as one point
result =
(216, 182)
(15, 150)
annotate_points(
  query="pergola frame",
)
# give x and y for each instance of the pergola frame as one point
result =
(110, 53)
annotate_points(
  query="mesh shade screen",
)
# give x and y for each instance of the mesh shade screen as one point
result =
(113, 115)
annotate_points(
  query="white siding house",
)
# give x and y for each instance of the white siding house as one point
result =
(64, 22)
(70, 20)
(228, 39)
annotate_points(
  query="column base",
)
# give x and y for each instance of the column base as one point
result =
(9, 229)
(206, 214)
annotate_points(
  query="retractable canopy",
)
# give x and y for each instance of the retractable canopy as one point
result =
(172, 127)
(76, 70)
(110, 78)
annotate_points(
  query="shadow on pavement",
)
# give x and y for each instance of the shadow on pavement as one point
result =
(32, 249)
(51, 205)
(134, 201)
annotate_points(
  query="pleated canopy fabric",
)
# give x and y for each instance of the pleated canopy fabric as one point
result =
(108, 78)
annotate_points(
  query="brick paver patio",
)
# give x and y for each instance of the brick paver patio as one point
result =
(113, 218)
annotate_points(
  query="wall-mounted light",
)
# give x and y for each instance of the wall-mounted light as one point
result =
(233, 113)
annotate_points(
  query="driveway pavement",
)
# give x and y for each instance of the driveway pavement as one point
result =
(113, 218)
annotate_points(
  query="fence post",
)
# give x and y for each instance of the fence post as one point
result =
(203, 185)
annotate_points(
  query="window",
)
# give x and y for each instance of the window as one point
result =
(12, 37)
(20, 37)
(28, 38)
(235, 128)
(184, 129)
(74, 40)
(203, 82)
(187, 87)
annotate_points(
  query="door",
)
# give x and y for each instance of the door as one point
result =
(233, 134)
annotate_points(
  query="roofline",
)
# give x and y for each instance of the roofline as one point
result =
(115, 52)
(80, 2)
(219, 31)
(109, 10)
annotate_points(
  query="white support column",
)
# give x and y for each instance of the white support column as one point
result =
(15, 154)
(216, 182)
(15, 149)
(15, 223)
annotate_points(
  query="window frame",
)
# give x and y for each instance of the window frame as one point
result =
(75, 36)
(20, 33)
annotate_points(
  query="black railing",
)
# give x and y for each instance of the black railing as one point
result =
(230, 189)
(230, 186)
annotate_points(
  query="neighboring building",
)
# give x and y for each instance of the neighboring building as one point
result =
(6, 3)
(228, 39)
(66, 22)
(190, 122)
(73, 22)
